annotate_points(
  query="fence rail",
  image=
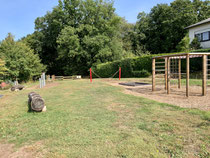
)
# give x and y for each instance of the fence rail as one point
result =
(65, 77)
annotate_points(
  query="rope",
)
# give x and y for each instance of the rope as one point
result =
(101, 77)
(96, 74)
(114, 74)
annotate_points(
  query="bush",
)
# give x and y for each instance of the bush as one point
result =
(142, 73)
(128, 66)
(135, 67)
(184, 44)
(195, 44)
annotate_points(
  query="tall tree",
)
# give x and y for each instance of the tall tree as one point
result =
(164, 27)
(76, 35)
(20, 60)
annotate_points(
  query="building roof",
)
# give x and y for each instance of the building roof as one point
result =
(199, 23)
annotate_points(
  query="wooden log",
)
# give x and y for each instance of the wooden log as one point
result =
(36, 102)
(33, 95)
(17, 87)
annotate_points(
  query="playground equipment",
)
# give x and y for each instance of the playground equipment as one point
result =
(92, 72)
(170, 67)
(36, 102)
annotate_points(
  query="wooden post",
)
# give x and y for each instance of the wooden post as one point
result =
(180, 74)
(53, 77)
(120, 73)
(90, 75)
(168, 75)
(153, 74)
(204, 75)
(188, 74)
(166, 68)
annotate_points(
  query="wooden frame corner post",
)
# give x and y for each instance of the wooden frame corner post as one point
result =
(180, 74)
(188, 74)
(204, 75)
(153, 74)
(168, 75)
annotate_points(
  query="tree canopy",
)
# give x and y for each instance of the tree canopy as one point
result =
(163, 28)
(20, 60)
(78, 34)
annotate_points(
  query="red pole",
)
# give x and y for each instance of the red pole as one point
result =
(119, 73)
(90, 75)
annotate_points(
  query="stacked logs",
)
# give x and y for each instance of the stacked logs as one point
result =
(36, 102)
(17, 88)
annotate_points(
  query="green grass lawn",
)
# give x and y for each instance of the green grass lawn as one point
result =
(98, 120)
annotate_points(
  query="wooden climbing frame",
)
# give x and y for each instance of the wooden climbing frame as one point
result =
(166, 68)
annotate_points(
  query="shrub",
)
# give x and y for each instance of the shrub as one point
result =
(142, 73)
(195, 44)
(184, 44)
(129, 66)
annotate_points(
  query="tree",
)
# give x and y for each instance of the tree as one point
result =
(20, 60)
(164, 27)
(76, 35)
(3, 70)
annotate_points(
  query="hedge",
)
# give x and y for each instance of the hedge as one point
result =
(141, 66)
(131, 67)
(202, 50)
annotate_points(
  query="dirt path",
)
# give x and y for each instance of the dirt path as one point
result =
(177, 96)
(29, 151)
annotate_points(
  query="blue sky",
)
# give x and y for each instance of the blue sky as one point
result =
(17, 16)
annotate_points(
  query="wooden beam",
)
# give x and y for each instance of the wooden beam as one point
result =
(180, 74)
(188, 74)
(168, 75)
(204, 75)
(153, 74)
(166, 68)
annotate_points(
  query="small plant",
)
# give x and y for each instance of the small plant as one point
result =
(195, 44)
(183, 45)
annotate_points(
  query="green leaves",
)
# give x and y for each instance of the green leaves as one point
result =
(20, 60)
(76, 35)
(3, 70)
(164, 27)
